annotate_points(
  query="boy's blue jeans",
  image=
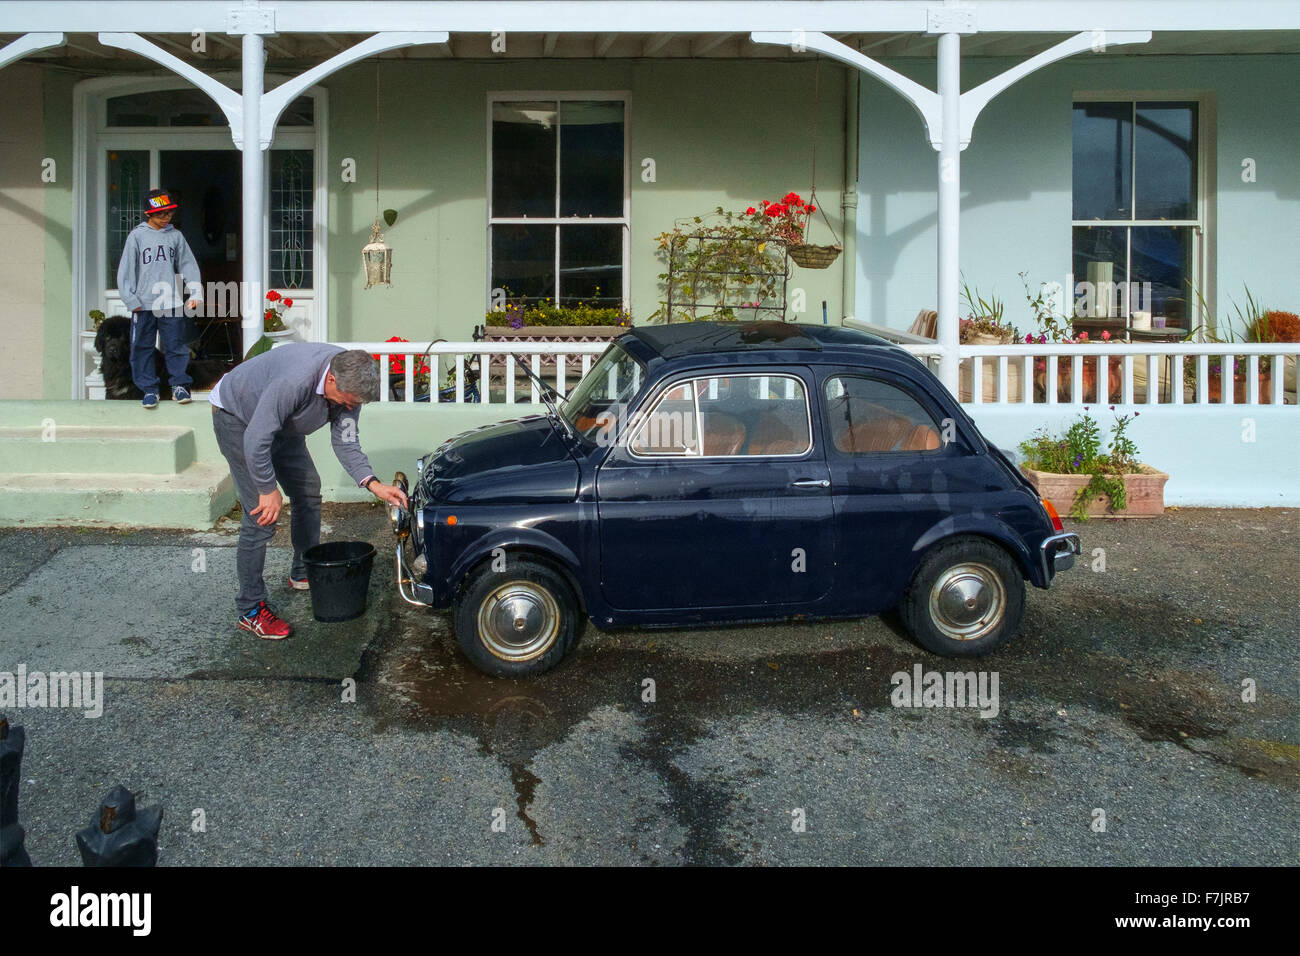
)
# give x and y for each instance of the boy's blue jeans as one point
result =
(145, 325)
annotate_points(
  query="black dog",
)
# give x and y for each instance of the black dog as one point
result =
(113, 342)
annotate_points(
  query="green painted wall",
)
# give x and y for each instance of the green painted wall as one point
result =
(1016, 181)
(721, 133)
(57, 119)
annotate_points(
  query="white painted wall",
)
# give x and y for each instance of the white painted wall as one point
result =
(1205, 452)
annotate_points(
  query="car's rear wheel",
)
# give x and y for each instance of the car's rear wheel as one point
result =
(966, 598)
(516, 622)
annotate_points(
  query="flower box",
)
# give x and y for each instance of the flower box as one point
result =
(549, 333)
(1145, 491)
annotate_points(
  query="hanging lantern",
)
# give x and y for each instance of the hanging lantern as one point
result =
(377, 259)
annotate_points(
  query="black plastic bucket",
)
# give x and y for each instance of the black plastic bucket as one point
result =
(339, 575)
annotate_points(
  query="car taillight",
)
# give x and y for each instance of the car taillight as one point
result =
(1051, 513)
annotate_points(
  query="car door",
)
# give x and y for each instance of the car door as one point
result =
(894, 478)
(718, 496)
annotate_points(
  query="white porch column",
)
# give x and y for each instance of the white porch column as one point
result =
(949, 205)
(253, 163)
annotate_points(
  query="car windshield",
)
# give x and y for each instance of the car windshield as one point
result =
(597, 405)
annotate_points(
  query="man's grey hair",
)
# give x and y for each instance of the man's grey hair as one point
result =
(357, 373)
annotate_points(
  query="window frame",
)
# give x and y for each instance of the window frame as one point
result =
(1203, 252)
(922, 401)
(652, 403)
(505, 96)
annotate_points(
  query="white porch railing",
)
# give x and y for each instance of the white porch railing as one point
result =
(459, 354)
(1183, 373)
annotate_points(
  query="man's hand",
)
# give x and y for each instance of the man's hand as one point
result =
(268, 507)
(192, 306)
(390, 493)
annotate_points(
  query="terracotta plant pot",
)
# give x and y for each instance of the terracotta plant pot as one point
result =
(1145, 491)
(1065, 378)
(1214, 388)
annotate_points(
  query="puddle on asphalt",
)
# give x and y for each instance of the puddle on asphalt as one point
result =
(431, 685)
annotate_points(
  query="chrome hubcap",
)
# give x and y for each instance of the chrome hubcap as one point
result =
(967, 601)
(518, 621)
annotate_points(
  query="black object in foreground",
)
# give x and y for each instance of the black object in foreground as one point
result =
(119, 836)
(12, 851)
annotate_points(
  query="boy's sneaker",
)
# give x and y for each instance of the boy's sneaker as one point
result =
(263, 622)
(181, 395)
(299, 584)
(150, 400)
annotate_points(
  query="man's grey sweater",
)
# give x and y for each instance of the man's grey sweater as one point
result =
(275, 394)
(151, 260)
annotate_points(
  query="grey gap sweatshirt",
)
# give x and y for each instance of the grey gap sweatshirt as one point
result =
(151, 260)
(275, 393)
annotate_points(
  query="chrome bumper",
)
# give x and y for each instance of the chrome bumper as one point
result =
(409, 586)
(1058, 553)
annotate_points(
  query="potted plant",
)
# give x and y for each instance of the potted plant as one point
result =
(542, 321)
(1259, 325)
(983, 325)
(726, 266)
(1078, 478)
(273, 325)
(397, 374)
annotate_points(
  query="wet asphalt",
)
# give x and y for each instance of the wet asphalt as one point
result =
(1121, 734)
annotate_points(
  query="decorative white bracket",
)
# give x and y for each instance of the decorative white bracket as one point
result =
(273, 102)
(29, 43)
(929, 104)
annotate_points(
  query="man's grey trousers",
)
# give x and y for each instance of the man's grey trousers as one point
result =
(297, 475)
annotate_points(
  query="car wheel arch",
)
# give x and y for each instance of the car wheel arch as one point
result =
(536, 546)
(999, 534)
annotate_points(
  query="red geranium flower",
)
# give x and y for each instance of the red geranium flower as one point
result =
(272, 296)
(750, 211)
(288, 303)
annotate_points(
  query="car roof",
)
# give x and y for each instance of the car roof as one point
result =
(683, 339)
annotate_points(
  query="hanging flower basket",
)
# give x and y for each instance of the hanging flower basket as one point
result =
(814, 257)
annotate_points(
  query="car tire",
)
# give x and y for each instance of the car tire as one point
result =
(966, 598)
(517, 622)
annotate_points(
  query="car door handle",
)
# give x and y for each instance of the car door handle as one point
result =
(811, 483)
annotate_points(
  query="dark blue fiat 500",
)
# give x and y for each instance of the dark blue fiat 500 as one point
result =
(708, 472)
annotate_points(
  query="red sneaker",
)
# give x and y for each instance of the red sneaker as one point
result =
(263, 622)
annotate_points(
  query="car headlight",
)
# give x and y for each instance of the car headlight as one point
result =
(398, 516)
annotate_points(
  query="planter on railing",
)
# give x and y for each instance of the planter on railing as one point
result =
(551, 334)
(1144, 491)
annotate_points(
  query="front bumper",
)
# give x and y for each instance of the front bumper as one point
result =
(410, 574)
(1058, 552)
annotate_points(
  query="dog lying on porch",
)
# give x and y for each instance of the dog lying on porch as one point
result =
(113, 343)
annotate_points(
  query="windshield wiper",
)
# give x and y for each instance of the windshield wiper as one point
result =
(553, 410)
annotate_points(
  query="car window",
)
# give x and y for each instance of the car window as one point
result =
(870, 416)
(595, 406)
(669, 429)
(733, 415)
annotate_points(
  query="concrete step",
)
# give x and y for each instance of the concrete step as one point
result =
(193, 499)
(67, 449)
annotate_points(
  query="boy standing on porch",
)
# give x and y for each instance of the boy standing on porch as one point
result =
(155, 252)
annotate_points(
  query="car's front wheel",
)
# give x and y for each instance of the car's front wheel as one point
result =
(519, 621)
(965, 599)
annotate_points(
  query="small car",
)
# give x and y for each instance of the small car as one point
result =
(716, 472)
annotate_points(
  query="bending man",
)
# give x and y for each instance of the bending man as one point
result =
(262, 412)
